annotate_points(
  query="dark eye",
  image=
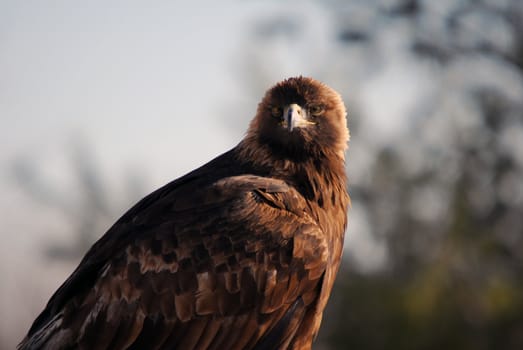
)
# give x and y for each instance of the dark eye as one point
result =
(277, 112)
(316, 110)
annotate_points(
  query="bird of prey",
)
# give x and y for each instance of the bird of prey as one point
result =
(240, 253)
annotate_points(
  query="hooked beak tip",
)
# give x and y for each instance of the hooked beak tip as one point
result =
(293, 116)
(289, 120)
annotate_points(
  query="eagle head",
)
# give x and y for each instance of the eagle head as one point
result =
(300, 117)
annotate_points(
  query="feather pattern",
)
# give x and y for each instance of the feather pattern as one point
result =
(238, 254)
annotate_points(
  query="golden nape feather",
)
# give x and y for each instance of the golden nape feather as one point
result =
(240, 253)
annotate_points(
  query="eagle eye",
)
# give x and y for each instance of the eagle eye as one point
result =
(277, 112)
(316, 110)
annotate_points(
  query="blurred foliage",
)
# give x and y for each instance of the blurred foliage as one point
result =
(91, 213)
(446, 193)
(453, 279)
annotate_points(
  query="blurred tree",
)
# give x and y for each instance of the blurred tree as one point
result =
(444, 190)
(91, 214)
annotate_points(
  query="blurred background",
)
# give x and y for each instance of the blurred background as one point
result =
(102, 102)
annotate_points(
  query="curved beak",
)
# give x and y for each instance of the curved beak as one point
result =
(295, 117)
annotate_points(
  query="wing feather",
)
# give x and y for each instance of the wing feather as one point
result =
(226, 327)
(154, 331)
(193, 332)
(130, 324)
(218, 267)
(211, 330)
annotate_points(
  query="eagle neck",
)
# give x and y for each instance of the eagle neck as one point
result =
(318, 177)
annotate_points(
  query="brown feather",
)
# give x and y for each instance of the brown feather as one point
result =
(226, 328)
(209, 334)
(241, 253)
(192, 333)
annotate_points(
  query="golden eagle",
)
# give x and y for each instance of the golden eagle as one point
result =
(240, 253)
